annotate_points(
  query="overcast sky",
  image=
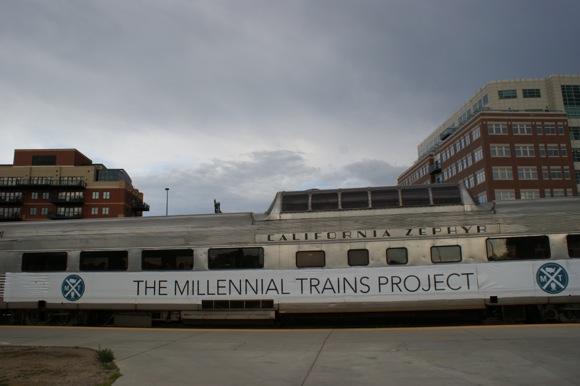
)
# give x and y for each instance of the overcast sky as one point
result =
(235, 100)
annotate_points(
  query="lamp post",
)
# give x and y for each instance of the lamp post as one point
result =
(167, 202)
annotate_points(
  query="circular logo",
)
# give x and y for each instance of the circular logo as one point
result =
(552, 278)
(73, 288)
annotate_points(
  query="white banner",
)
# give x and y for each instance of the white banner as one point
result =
(436, 282)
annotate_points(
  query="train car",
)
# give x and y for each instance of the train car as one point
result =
(339, 251)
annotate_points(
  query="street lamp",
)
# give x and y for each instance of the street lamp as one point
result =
(167, 202)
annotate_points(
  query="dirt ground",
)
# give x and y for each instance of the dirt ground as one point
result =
(33, 366)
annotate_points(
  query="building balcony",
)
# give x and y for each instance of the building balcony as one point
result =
(11, 200)
(140, 207)
(447, 132)
(42, 182)
(65, 216)
(10, 217)
(435, 168)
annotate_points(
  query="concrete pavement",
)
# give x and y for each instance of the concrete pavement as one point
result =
(491, 355)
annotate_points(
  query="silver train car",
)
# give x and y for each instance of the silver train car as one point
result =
(369, 250)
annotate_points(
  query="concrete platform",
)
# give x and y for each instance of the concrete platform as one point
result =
(506, 355)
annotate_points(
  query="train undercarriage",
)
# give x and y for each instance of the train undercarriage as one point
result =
(491, 314)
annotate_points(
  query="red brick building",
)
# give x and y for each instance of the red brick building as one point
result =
(503, 146)
(64, 184)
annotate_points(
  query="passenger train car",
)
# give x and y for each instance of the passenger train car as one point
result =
(369, 250)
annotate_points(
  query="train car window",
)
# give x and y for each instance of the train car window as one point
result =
(415, 196)
(235, 258)
(295, 203)
(446, 254)
(387, 198)
(324, 201)
(354, 200)
(396, 256)
(167, 260)
(573, 245)
(358, 257)
(518, 248)
(305, 259)
(446, 195)
(44, 262)
(103, 261)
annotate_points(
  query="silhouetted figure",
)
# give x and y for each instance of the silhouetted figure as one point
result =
(216, 206)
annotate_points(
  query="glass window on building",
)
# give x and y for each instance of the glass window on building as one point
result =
(507, 94)
(500, 150)
(556, 172)
(95, 195)
(545, 173)
(542, 149)
(497, 128)
(576, 155)
(575, 133)
(553, 151)
(525, 151)
(505, 195)
(482, 197)
(503, 173)
(527, 173)
(522, 128)
(480, 177)
(571, 98)
(530, 194)
(531, 93)
(559, 193)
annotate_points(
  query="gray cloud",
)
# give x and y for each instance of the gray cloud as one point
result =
(269, 95)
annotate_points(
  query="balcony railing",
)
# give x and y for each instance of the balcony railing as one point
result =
(140, 207)
(10, 217)
(10, 200)
(435, 168)
(27, 182)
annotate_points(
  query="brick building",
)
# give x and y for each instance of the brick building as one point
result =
(64, 184)
(517, 139)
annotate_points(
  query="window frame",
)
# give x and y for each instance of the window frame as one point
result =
(443, 259)
(257, 262)
(318, 257)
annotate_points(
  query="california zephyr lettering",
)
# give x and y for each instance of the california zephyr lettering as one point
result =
(378, 234)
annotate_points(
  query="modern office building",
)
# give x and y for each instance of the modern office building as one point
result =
(514, 139)
(64, 184)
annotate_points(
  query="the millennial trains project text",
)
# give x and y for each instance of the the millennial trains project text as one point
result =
(371, 250)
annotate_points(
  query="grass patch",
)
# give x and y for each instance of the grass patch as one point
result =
(105, 355)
